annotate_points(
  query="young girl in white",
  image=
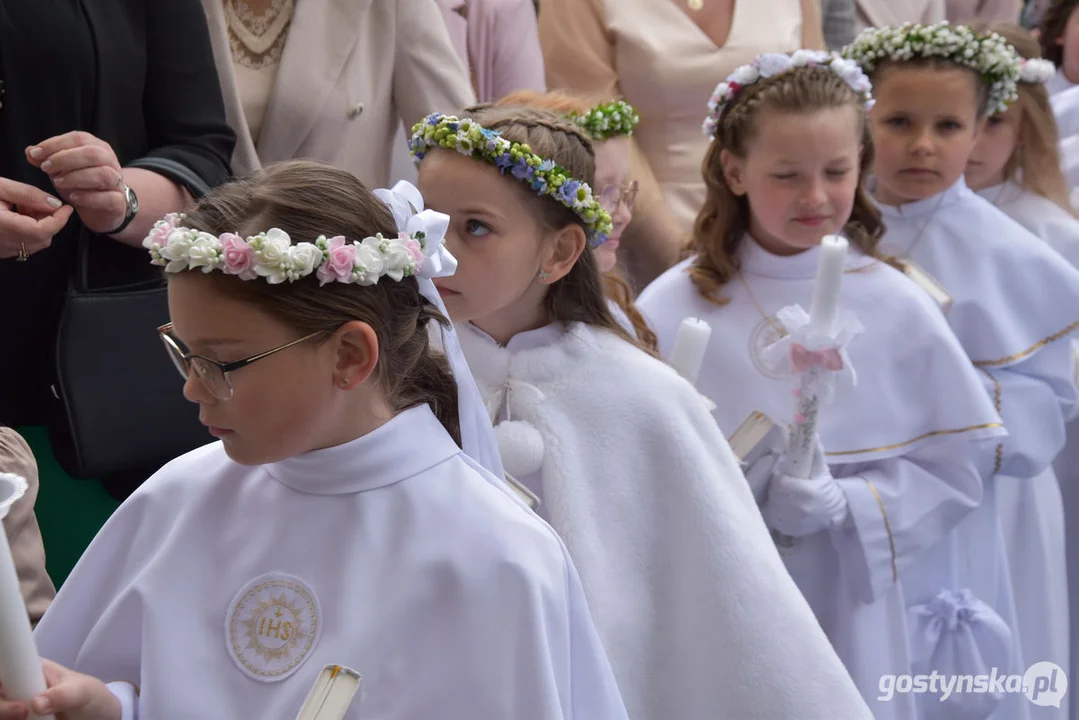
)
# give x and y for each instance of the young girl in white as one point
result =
(1016, 166)
(609, 125)
(692, 602)
(1012, 301)
(337, 522)
(876, 548)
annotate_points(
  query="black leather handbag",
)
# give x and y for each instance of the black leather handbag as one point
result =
(119, 400)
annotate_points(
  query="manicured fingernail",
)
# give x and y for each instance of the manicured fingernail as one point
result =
(35, 152)
(47, 165)
(75, 196)
(53, 202)
(42, 706)
(59, 181)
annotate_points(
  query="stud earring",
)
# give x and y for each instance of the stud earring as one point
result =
(543, 275)
(344, 383)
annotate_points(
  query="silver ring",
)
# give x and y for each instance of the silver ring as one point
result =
(23, 255)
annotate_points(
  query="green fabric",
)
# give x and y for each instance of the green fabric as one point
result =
(69, 511)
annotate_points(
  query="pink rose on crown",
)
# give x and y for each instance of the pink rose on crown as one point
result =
(413, 247)
(237, 256)
(340, 258)
(159, 234)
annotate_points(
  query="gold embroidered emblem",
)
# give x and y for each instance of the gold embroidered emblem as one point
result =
(766, 334)
(272, 625)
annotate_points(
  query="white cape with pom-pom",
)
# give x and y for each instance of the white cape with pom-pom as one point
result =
(693, 604)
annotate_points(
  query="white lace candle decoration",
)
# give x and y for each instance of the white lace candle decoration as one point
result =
(20, 666)
(816, 355)
(690, 345)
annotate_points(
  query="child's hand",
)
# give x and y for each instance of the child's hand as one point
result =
(71, 696)
(800, 507)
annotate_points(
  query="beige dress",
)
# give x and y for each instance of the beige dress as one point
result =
(888, 13)
(653, 54)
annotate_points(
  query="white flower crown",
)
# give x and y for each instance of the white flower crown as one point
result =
(1036, 71)
(417, 249)
(768, 65)
(989, 55)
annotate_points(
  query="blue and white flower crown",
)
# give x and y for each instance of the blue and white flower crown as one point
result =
(417, 250)
(768, 65)
(988, 55)
(608, 120)
(545, 177)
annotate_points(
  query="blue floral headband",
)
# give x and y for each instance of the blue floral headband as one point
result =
(545, 177)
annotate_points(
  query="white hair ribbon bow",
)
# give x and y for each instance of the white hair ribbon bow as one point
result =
(406, 203)
(477, 434)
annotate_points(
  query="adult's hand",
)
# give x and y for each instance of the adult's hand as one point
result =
(86, 173)
(71, 696)
(29, 218)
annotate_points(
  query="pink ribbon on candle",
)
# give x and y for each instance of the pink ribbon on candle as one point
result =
(802, 358)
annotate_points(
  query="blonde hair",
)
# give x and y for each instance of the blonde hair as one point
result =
(1035, 162)
(723, 221)
(615, 286)
(579, 296)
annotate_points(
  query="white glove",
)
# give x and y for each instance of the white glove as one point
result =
(798, 507)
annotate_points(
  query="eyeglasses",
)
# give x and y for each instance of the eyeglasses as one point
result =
(212, 374)
(612, 195)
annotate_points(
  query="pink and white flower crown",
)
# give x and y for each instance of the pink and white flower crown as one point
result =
(417, 249)
(768, 65)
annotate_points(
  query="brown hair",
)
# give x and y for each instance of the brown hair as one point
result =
(1035, 162)
(724, 220)
(615, 286)
(577, 297)
(981, 87)
(1052, 29)
(308, 199)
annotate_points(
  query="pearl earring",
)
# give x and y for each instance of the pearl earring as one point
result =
(344, 383)
(543, 275)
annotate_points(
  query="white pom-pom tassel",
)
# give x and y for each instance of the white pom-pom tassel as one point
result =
(521, 447)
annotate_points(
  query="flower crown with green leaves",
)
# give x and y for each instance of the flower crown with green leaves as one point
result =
(418, 249)
(768, 65)
(989, 55)
(547, 179)
(608, 120)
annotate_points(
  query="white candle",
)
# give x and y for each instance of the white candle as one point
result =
(833, 255)
(689, 347)
(20, 666)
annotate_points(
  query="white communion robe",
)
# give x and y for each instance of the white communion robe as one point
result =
(698, 616)
(905, 445)
(222, 590)
(1015, 304)
(1060, 229)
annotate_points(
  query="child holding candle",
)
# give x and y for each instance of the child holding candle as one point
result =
(1014, 301)
(692, 602)
(338, 521)
(895, 471)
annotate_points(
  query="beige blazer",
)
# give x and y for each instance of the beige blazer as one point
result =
(885, 13)
(21, 526)
(351, 73)
(961, 12)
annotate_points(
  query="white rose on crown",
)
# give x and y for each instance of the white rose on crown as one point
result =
(303, 258)
(370, 264)
(745, 75)
(204, 253)
(773, 64)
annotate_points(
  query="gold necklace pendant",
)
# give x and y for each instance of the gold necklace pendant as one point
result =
(695, 4)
